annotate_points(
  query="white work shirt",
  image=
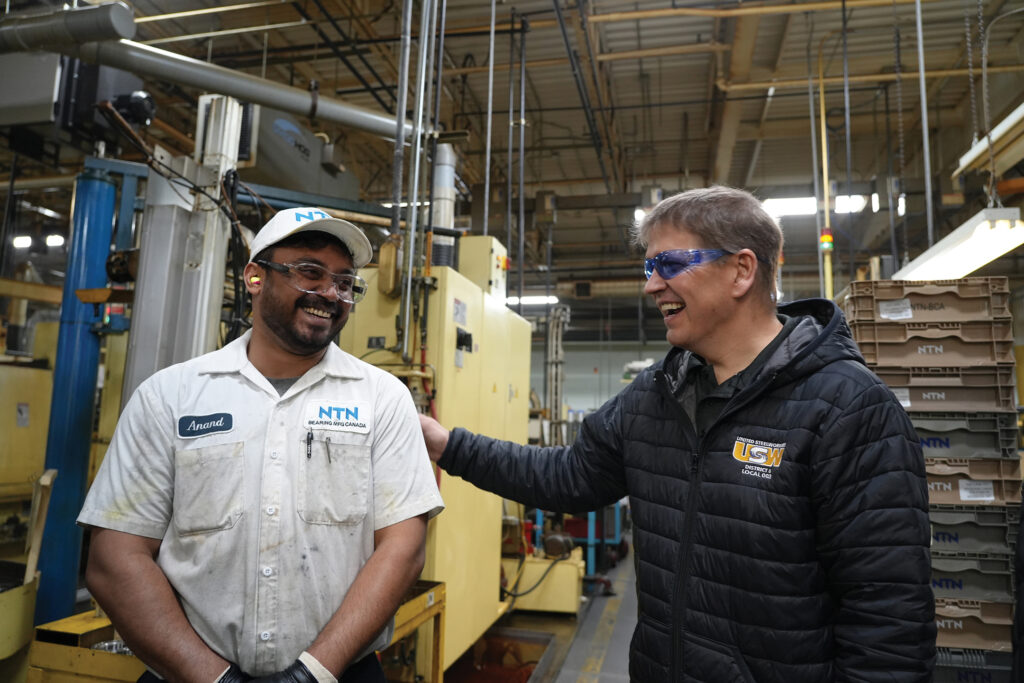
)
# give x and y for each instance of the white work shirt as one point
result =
(266, 505)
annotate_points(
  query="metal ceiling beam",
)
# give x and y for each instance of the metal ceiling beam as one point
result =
(581, 89)
(259, 28)
(782, 84)
(745, 10)
(743, 43)
(791, 128)
(666, 51)
(220, 9)
(601, 57)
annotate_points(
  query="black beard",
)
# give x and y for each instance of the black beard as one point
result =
(289, 336)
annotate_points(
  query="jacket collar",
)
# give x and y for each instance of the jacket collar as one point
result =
(820, 337)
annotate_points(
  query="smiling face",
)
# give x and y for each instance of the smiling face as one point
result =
(696, 303)
(298, 322)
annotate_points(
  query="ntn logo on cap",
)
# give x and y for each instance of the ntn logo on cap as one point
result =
(290, 221)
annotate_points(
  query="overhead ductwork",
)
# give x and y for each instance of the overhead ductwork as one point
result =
(155, 63)
(58, 29)
(90, 33)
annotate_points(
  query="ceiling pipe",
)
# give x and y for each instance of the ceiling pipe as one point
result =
(44, 183)
(161, 64)
(220, 9)
(747, 9)
(82, 24)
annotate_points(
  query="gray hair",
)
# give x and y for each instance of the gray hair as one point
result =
(721, 218)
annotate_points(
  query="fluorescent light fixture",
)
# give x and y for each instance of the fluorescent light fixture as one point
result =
(55, 240)
(1007, 142)
(42, 211)
(540, 300)
(901, 205)
(639, 214)
(388, 205)
(807, 206)
(22, 242)
(986, 236)
(875, 203)
(791, 206)
(850, 204)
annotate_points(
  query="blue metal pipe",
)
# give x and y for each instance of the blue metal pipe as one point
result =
(74, 389)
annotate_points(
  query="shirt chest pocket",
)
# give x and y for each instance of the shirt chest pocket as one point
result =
(334, 484)
(208, 488)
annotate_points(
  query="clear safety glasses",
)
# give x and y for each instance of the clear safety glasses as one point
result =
(314, 279)
(673, 262)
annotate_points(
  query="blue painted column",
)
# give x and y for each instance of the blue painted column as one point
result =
(74, 390)
(591, 543)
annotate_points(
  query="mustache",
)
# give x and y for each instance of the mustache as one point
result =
(314, 301)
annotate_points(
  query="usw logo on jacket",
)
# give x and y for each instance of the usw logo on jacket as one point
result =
(758, 457)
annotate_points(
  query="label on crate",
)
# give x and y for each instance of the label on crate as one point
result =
(981, 491)
(895, 310)
(902, 395)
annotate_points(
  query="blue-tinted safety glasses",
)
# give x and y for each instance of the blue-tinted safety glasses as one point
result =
(675, 261)
(314, 279)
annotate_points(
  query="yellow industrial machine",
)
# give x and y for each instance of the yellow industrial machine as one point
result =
(547, 585)
(476, 361)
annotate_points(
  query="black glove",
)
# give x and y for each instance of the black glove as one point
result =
(233, 675)
(296, 673)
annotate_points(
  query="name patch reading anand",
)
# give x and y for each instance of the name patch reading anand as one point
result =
(343, 417)
(191, 426)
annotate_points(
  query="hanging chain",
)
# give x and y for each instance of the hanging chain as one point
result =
(899, 125)
(970, 72)
(993, 197)
(899, 103)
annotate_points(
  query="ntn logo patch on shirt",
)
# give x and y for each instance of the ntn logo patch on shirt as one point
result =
(192, 426)
(346, 416)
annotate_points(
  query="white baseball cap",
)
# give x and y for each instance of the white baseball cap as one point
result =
(290, 221)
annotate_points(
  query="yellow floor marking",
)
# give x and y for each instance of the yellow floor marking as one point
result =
(602, 637)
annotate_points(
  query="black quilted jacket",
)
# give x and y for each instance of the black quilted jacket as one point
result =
(789, 545)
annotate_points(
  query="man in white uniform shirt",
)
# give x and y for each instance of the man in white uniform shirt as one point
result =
(262, 509)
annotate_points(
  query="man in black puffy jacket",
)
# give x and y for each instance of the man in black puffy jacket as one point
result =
(776, 485)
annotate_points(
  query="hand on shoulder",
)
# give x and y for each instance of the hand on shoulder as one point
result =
(435, 436)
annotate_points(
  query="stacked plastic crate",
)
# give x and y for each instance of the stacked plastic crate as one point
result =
(945, 348)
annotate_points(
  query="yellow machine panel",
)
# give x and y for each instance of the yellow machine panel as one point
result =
(478, 358)
(558, 591)
(484, 260)
(24, 421)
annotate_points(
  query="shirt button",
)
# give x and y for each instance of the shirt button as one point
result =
(267, 571)
(273, 455)
(271, 509)
(265, 635)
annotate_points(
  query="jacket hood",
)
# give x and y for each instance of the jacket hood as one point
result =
(821, 337)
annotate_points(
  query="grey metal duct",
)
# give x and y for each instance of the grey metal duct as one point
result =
(150, 61)
(57, 29)
(442, 210)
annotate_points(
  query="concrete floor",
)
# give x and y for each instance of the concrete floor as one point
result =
(594, 646)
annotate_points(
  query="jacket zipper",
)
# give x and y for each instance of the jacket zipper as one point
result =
(679, 599)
